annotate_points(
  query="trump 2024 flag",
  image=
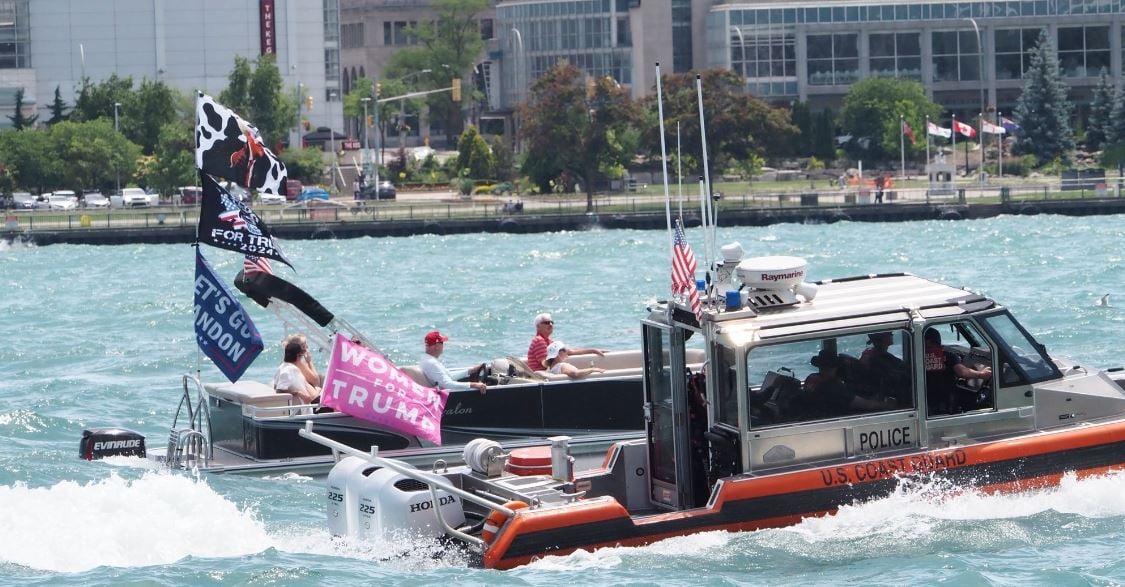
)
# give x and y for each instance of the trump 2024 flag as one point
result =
(223, 329)
(226, 223)
(361, 382)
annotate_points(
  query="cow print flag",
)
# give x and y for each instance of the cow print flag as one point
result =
(228, 147)
(226, 223)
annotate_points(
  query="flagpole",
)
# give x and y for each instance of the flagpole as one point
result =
(902, 144)
(927, 145)
(1000, 147)
(980, 175)
(679, 172)
(954, 135)
(664, 165)
(706, 175)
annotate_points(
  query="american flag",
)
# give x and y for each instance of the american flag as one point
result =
(683, 271)
(254, 265)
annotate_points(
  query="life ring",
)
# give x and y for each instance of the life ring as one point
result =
(496, 520)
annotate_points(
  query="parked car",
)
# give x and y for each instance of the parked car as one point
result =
(133, 198)
(64, 200)
(187, 196)
(238, 192)
(94, 199)
(384, 191)
(293, 189)
(313, 193)
(23, 201)
(271, 199)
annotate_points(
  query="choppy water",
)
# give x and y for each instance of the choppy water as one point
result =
(99, 336)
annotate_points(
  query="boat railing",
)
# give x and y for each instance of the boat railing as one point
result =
(290, 411)
(432, 480)
(194, 440)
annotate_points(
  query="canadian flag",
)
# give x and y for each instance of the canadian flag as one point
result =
(964, 129)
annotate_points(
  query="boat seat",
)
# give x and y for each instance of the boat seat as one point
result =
(248, 393)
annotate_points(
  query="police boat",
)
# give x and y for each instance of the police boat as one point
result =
(247, 427)
(811, 396)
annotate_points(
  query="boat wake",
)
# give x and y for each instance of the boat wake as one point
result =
(918, 519)
(160, 518)
(156, 519)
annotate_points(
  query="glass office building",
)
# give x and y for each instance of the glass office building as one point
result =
(533, 36)
(790, 51)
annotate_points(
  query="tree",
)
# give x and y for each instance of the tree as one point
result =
(1100, 111)
(738, 124)
(568, 127)
(503, 160)
(27, 156)
(306, 165)
(1115, 129)
(236, 96)
(824, 135)
(1043, 109)
(270, 110)
(802, 118)
(448, 46)
(473, 154)
(172, 163)
(19, 121)
(96, 100)
(57, 109)
(144, 112)
(874, 109)
(93, 153)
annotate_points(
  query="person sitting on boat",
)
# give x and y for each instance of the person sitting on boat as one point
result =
(308, 369)
(833, 397)
(886, 372)
(437, 375)
(942, 370)
(537, 350)
(557, 354)
(289, 378)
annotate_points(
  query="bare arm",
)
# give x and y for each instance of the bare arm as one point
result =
(585, 351)
(576, 373)
(964, 372)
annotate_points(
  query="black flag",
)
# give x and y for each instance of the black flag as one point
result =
(226, 223)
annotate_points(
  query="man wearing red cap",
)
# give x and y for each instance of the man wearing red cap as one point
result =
(436, 373)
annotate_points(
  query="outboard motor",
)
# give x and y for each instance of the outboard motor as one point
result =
(99, 443)
(406, 504)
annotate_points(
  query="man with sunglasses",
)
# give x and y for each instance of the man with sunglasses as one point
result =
(537, 350)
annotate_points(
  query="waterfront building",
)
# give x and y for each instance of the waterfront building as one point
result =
(789, 51)
(188, 45)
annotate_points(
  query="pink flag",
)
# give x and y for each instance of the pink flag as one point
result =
(363, 383)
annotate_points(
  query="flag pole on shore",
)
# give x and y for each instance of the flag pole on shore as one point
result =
(664, 163)
(902, 145)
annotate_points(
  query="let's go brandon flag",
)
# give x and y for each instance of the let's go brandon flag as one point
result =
(223, 329)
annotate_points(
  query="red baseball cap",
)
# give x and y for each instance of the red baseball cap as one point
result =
(434, 337)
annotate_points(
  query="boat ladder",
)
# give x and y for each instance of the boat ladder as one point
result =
(190, 446)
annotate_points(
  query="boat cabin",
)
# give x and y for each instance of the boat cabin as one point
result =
(799, 373)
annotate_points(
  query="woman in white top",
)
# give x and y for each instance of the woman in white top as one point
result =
(290, 378)
(556, 362)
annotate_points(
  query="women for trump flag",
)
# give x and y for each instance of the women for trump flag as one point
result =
(361, 382)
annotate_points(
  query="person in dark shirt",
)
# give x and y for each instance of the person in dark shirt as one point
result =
(942, 370)
(832, 394)
(886, 373)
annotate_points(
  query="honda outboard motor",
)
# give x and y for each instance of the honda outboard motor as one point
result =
(100, 443)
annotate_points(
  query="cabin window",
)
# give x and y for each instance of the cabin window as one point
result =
(946, 349)
(726, 386)
(833, 377)
(1022, 359)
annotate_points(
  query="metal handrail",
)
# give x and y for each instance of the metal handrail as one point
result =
(431, 480)
(197, 414)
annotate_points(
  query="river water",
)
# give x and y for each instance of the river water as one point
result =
(100, 335)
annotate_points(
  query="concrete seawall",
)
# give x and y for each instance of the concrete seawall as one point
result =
(530, 223)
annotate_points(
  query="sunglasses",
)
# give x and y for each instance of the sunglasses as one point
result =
(548, 322)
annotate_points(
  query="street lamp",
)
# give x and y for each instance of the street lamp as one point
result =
(742, 49)
(365, 131)
(402, 104)
(980, 54)
(518, 69)
(116, 105)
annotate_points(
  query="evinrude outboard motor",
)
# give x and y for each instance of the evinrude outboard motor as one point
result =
(99, 443)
